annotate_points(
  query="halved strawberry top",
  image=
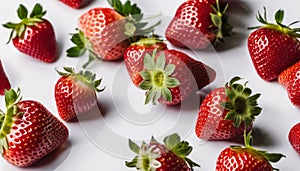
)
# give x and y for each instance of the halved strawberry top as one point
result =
(241, 105)
(34, 17)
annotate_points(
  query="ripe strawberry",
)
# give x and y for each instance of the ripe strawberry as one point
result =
(227, 111)
(156, 156)
(294, 137)
(135, 53)
(28, 130)
(197, 24)
(75, 93)
(34, 35)
(76, 3)
(172, 76)
(273, 47)
(290, 79)
(105, 32)
(4, 84)
(246, 158)
(286, 77)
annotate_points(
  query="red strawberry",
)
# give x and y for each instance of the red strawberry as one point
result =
(4, 84)
(246, 158)
(171, 76)
(76, 3)
(197, 24)
(34, 35)
(135, 53)
(273, 47)
(294, 137)
(227, 111)
(105, 32)
(287, 76)
(290, 79)
(156, 156)
(75, 93)
(28, 131)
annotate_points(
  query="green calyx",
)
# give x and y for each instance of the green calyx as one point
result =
(248, 140)
(146, 155)
(242, 105)
(220, 20)
(148, 41)
(12, 97)
(86, 77)
(34, 17)
(82, 44)
(278, 26)
(157, 78)
(134, 16)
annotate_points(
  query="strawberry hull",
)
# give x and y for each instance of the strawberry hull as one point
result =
(35, 133)
(272, 52)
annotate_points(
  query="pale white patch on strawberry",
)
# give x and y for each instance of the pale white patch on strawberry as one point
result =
(214, 110)
(231, 163)
(151, 152)
(261, 43)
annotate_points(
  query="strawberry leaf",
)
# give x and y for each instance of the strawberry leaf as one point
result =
(279, 15)
(75, 51)
(37, 11)
(22, 12)
(172, 141)
(133, 147)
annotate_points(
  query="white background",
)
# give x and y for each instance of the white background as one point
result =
(99, 140)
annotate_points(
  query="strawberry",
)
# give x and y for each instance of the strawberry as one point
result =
(167, 156)
(76, 3)
(34, 35)
(75, 93)
(135, 53)
(105, 32)
(198, 24)
(4, 84)
(246, 158)
(28, 130)
(171, 76)
(273, 47)
(290, 79)
(294, 137)
(286, 77)
(227, 111)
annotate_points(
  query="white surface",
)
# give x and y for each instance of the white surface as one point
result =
(99, 142)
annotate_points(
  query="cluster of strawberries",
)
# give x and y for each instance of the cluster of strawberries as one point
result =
(168, 76)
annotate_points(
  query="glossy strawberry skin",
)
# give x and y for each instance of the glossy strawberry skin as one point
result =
(287, 76)
(104, 28)
(211, 124)
(4, 84)
(169, 160)
(193, 75)
(38, 41)
(241, 160)
(76, 3)
(35, 133)
(191, 26)
(134, 59)
(294, 137)
(73, 98)
(272, 52)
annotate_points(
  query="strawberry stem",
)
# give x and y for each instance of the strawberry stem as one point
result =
(278, 26)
